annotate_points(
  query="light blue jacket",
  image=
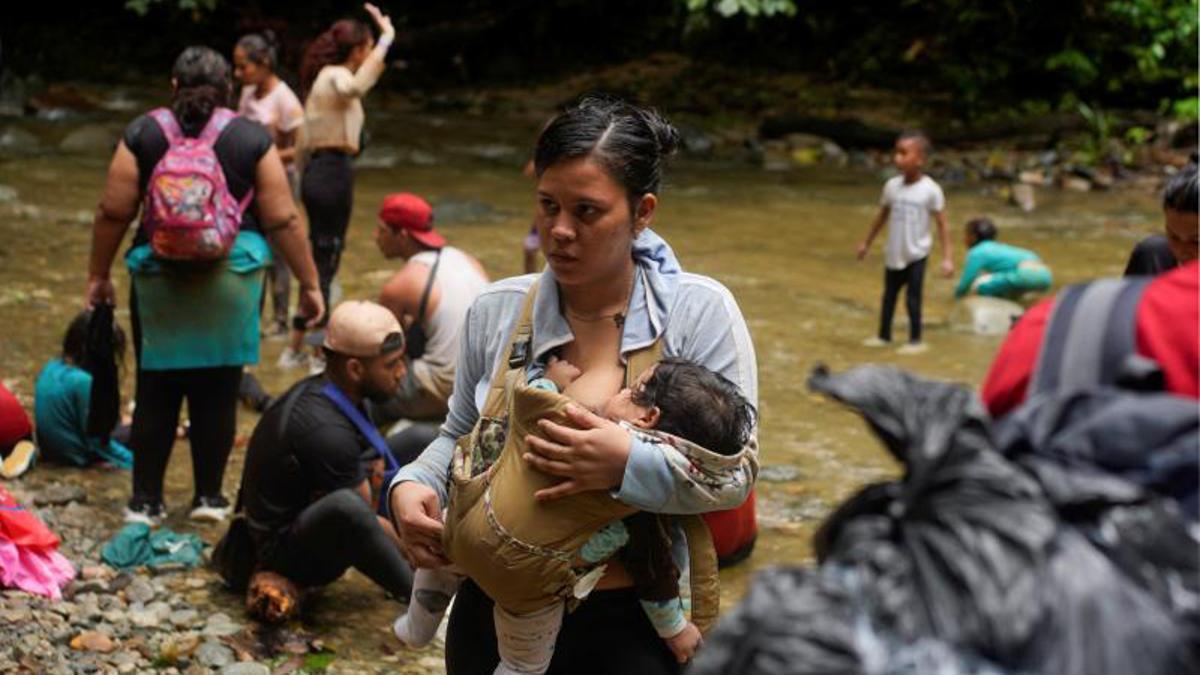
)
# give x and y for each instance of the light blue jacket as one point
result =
(699, 321)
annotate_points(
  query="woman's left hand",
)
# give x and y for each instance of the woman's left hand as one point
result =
(591, 457)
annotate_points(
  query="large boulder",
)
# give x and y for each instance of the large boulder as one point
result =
(16, 138)
(985, 316)
(91, 139)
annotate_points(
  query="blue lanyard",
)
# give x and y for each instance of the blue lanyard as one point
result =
(361, 422)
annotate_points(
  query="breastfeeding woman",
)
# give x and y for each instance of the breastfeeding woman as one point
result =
(612, 290)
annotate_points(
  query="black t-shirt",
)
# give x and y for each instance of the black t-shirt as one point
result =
(239, 149)
(303, 447)
(1152, 256)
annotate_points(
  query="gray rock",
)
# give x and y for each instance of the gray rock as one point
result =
(183, 617)
(1022, 195)
(57, 494)
(16, 138)
(8, 193)
(984, 316)
(220, 625)
(144, 618)
(213, 655)
(245, 668)
(695, 141)
(91, 139)
(139, 590)
(779, 473)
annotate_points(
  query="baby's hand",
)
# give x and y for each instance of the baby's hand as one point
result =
(561, 372)
(685, 643)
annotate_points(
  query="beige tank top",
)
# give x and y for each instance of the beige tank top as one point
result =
(459, 283)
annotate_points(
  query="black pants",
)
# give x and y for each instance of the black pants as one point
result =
(913, 277)
(335, 533)
(212, 396)
(327, 190)
(608, 633)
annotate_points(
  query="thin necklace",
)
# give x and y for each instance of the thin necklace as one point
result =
(617, 317)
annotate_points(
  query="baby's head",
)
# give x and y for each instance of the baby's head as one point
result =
(689, 401)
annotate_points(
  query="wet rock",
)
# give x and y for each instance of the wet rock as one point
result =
(1021, 195)
(8, 194)
(213, 655)
(220, 625)
(985, 316)
(695, 141)
(92, 641)
(144, 618)
(246, 668)
(91, 139)
(139, 590)
(180, 646)
(1034, 177)
(57, 494)
(16, 138)
(779, 473)
(183, 617)
(1075, 184)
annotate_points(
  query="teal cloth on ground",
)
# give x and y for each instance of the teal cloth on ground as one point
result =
(200, 316)
(136, 545)
(993, 257)
(62, 396)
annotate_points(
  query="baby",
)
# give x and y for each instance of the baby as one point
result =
(674, 397)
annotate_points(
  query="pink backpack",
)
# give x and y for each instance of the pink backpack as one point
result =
(190, 214)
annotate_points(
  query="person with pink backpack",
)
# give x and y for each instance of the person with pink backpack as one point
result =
(210, 186)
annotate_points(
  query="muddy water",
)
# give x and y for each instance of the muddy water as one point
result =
(782, 242)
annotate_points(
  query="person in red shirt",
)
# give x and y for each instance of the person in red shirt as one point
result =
(1168, 316)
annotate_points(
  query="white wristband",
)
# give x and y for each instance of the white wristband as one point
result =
(385, 40)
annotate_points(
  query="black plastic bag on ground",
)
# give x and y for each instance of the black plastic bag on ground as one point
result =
(967, 548)
(105, 404)
(815, 622)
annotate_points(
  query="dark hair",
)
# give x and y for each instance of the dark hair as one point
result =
(697, 404)
(1182, 191)
(332, 46)
(74, 345)
(981, 229)
(631, 143)
(920, 137)
(261, 48)
(202, 85)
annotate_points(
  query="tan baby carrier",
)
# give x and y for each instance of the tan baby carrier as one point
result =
(524, 553)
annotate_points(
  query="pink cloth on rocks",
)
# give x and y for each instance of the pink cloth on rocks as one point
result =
(29, 557)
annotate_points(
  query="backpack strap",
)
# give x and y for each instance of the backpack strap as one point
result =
(1091, 336)
(220, 118)
(166, 121)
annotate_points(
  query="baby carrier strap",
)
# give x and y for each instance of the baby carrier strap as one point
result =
(1090, 339)
(702, 571)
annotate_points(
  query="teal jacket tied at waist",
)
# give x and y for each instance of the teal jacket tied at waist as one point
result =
(199, 316)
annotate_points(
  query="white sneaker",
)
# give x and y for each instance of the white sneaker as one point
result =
(210, 509)
(290, 358)
(875, 342)
(913, 348)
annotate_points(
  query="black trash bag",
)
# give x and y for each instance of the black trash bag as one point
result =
(1149, 439)
(1121, 468)
(957, 546)
(104, 407)
(967, 548)
(814, 622)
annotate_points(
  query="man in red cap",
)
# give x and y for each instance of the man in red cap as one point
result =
(430, 296)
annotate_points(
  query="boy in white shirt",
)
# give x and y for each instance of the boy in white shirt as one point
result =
(907, 203)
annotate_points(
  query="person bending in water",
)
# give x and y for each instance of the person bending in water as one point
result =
(674, 397)
(999, 270)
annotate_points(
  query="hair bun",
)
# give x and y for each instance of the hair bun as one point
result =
(664, 132)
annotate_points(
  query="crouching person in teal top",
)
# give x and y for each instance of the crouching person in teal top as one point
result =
(999, 270)
(62, 399)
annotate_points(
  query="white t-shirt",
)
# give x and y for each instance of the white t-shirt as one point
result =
(279, 111)
(911, 205)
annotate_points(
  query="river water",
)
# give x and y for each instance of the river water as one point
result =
(783, 242)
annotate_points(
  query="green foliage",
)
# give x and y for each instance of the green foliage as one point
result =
(750, 8)
(142, 7)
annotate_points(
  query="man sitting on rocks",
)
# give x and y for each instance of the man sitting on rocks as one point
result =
(305, 494)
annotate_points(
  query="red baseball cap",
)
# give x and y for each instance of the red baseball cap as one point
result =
(406, 211)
